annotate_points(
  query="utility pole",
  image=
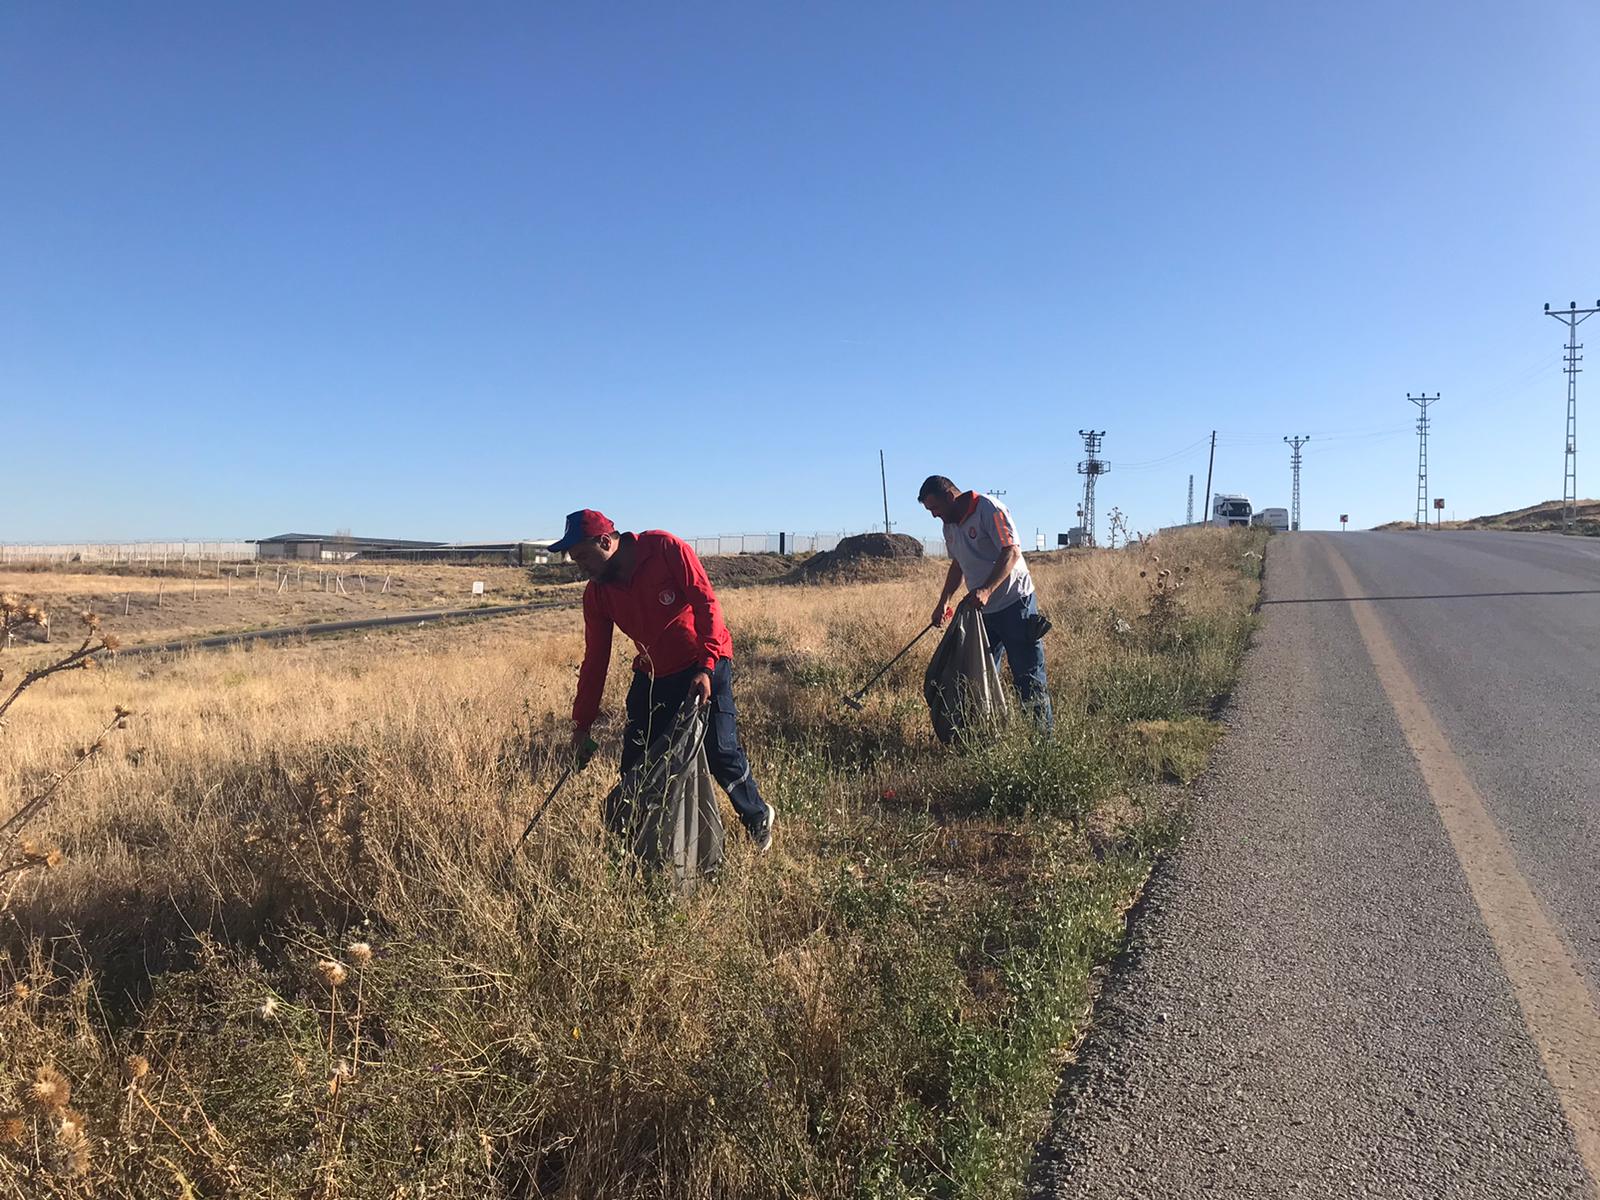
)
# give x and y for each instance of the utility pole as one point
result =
(1189, 519)
(1091, 468)
(1210, 462)
(1422, 402)
(884, 478)
(1294, 462)
(1572, 318)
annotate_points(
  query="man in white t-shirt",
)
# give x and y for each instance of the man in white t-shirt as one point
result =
(984, 552)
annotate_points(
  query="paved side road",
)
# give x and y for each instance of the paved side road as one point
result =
(1314, 1003)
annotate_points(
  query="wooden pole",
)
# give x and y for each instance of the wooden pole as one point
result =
(1211, 462)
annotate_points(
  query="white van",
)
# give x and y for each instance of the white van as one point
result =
(1275, 519)
(1230, 508)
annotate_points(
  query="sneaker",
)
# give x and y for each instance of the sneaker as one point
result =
(761, 835)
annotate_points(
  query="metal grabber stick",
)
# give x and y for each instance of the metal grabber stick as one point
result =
(585, 752)
(854, 700)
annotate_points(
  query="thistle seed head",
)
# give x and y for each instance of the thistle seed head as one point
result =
(50, 1090)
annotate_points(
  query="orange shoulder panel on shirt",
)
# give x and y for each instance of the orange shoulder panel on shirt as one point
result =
(1002, 530)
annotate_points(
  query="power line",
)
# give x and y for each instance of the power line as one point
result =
(1572, 318)
(1164, 459)
(1091, 468)
(1422, 402)
(1294, 462)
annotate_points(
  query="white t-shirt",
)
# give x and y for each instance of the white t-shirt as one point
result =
(976, 542)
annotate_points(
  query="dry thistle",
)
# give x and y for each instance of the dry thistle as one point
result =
(135, 1067)
(333, 972)
(360, 953)
(269, 1008)
(72, 1146)
(13, 1129)
(50, 1090)
(72, 1123)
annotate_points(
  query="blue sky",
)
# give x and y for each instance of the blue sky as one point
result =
(430, 273)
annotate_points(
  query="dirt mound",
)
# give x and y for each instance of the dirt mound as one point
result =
(739, 570)
(555, 572)
(1539, 518)
(867, 555)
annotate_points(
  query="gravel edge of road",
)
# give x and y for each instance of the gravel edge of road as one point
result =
(1115, 981)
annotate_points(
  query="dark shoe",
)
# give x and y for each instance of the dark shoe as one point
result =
(761, 835)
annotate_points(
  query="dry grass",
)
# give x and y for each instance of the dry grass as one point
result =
(875, 1009)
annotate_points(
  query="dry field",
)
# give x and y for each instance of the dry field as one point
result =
(273, 957)
(142, 606)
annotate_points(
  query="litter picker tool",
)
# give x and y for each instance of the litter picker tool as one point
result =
(585, 752)
(854, 700)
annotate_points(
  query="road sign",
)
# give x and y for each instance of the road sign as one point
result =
(1439, 503)
(1343, 517)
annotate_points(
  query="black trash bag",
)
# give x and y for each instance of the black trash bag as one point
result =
(962, 686)
(666, 807)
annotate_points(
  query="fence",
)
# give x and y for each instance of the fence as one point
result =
(182, 553)
(788, 543)
(143, 553)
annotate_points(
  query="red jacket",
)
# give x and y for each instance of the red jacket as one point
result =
(667, 608)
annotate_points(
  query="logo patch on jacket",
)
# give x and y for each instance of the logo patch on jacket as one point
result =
(973, 533)
(667, 596)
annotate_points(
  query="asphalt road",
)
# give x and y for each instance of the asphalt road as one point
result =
(1371, 968)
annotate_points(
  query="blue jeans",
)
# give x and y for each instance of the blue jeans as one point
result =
(1010, 635)
(653, 705)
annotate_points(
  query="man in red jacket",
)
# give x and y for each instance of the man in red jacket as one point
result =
(652, 587)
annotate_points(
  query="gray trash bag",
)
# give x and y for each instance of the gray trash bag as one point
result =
(962, 686)
(666, 807)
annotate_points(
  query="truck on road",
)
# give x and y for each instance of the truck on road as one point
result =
(1230, 508)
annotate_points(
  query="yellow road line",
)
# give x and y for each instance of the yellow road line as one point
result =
(1557, 1006)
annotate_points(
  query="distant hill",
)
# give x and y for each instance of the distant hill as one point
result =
(1543, 517)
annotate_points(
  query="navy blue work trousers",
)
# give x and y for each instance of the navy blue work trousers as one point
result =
(1010, 633)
